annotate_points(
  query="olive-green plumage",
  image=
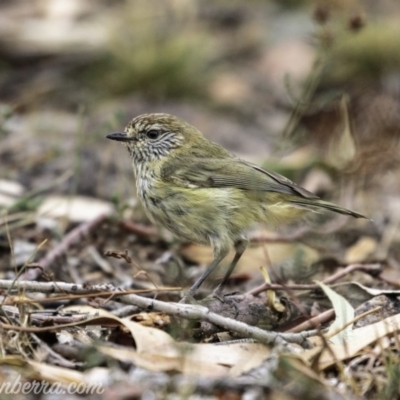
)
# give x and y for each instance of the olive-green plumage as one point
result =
(203, 193)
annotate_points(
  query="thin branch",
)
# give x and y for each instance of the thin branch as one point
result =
(314, 322)
(73, 237)
(192, 312)
(72, 291)
(372, 269)
(58, 359)
(43, 317)
(141, 230)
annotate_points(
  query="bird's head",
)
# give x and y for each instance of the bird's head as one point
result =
(154, 136)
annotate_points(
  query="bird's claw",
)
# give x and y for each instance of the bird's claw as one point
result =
(188, 298)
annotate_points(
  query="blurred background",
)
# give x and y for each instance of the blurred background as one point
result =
(310, 89)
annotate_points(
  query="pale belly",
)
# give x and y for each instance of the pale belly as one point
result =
(216, 216)
(200, 215)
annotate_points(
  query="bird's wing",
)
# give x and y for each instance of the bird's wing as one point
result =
(230, 172)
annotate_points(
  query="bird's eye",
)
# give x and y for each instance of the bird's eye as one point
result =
(153, 134)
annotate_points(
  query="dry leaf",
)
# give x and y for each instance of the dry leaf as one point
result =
(342, 149)
(344, 314)
(10, 192)
(51, 373)
(74, 208)
(363, 337)
(361, 250)
(157, 351)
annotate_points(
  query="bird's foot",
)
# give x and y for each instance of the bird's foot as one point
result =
(188, 298)
(217, 294)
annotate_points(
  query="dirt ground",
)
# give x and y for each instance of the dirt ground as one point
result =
(90, 287)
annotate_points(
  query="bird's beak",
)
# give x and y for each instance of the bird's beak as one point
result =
(120, 137)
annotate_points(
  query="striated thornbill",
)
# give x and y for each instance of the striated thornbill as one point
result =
(203, 193)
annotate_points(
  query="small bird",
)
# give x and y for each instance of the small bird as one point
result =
(203, 193)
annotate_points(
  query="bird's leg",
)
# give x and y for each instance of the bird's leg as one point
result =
(240, 247)
(219, 256)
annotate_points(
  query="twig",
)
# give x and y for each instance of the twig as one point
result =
(314, 322)
(125, 255)
(70, 288)
(353, 321)
(23, 269)
(192, 312)
(389, 281)
(141, 230)
(58, 359)
(125, 311)
(372, 269)
(108, 294)
(72, 291)
(43, 317)
(69, 240)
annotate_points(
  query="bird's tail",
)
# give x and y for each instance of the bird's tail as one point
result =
(328, 206)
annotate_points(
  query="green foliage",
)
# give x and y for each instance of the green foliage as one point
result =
(363, 56)
(390, 389)
(6, 112)
(26, 204)
(155, 50)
